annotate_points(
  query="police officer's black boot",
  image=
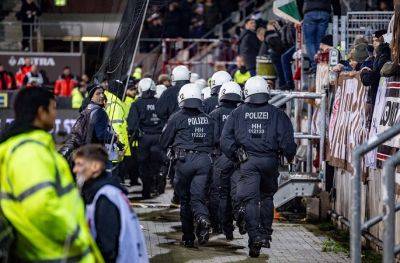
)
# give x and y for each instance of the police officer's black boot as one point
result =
(188, 243)
(203, 230)
(175, 201)
(255, 247)
(228, 235)
(240, 222)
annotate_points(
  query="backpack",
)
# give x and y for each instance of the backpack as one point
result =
(81, 132)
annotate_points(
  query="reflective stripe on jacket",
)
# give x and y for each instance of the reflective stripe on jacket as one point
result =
(39, 198)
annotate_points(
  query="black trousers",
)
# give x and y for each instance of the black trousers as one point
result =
(255, 190)
(190, 182)
(223, 170)
(150, 160)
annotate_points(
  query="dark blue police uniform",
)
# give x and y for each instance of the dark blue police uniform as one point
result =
(190, 133)
(264, 132)
(145, 124)
(220, 198)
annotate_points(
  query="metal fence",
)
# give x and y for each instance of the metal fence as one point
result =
(365, 24)
(39, 32)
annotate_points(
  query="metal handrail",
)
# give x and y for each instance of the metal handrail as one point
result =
(359, 151)
(389, 206)
(39, 26)
(284, 97)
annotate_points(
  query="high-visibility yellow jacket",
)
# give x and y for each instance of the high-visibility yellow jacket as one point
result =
(129, 101)
(77, 98)
(117, 112)
(241, 78)
(40, 200)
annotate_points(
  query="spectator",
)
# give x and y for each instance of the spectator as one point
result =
(78, 95)
(65, 83)
(112, 221)
(33, 78)
(370, 76)
(241, 74)
(172, 21)
(211, 14)
(6, 80)
(383, 6)
(92, 126)
(249, 45)
(317, 14)
(27, 14)
(154, 30)
(288, 36)
(23, 70)
(165, 80)
(391, 70)
(197, 27)
(273, 47)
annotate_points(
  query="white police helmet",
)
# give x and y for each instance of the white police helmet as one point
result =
(189, 96)
(180, 73)
(256, 90)
(230, 91)
(146, 84)
(219, 78)
(159, 90)
(194, 77)
(206, 93)
(201, 83)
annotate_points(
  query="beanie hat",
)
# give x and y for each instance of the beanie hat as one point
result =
(327, 40)
(359, 53)
(91, 89)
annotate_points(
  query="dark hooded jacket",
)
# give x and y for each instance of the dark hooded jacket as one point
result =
(167, 104)
(371, 77)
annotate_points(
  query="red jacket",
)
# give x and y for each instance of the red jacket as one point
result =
(20, 75)
(5, 81)
(64, 86)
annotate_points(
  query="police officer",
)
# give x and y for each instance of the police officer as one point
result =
(229, 96)
(167, 104)
(255, 134)
(145, 125)
(190, 133)
(217, 79)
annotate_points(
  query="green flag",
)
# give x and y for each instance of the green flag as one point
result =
(287, 9)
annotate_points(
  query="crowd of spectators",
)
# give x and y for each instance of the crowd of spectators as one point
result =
(31, 76)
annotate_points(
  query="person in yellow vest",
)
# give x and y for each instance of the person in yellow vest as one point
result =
(242, 74)
(117, 112)
(137, 73)
(131, 93)
(78, 95)
(38, 196)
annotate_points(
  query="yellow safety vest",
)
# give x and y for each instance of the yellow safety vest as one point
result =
(76, 98)
(60, 2)
(39, 198)
(137, 74)
(240, 78)
(129, 101)
(117, 112)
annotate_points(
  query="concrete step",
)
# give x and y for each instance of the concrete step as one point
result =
(292, 185)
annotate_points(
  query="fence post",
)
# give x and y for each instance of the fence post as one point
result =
(335, 30)
(343, 36)
(389, 203)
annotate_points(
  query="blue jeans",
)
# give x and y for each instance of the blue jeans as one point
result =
(287, 67)
(276, 60)
(315, 24)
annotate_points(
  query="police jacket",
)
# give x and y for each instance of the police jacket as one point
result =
(167, 104)
(210, 104)
(189, 129)
(142, 116)
(220, 115)
(262, 130)
(41, 202)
